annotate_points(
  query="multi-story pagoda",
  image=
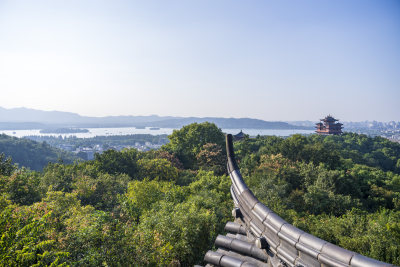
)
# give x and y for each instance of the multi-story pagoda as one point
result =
(329, 125)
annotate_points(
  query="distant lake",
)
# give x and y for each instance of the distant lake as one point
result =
(131, 130)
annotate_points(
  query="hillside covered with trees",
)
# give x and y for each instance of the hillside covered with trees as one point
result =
(165, 207)
(31, 154)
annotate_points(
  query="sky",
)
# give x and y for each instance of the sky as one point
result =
(271, 60)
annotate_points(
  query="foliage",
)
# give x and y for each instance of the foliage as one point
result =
(101, 191)
(142, 195)
(166, 207)
(175, 234)
(375, 235)
(157, 169)
(344, 189)
(162, 154)
(175, 225)
(114, 162)
(6, 166)
(189, 140)
(60, 177)
(22, 187)
(211, 158)
(26, 237)
(90, 236)
(31, 154)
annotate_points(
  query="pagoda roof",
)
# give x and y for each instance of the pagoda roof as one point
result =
(329, 118)
(240, 134)
(329, 125)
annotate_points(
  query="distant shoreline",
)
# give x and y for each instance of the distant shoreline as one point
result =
(64, 131)
(92, 132)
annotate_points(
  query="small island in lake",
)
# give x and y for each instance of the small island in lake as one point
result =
(64, 130)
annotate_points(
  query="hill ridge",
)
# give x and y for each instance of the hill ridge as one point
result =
(20, 118)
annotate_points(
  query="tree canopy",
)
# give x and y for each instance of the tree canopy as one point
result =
(187, 142)
(166, 207)
(31, 154)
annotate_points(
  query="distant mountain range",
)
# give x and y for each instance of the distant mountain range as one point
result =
(25, 118)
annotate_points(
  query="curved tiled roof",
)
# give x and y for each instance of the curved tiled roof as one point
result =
(259, 237)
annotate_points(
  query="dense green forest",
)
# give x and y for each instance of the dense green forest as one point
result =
(32, 154)
(165, 207)
(344, 189)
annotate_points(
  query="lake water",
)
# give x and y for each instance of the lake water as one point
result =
(131, 130)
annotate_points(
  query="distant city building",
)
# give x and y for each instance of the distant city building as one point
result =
(329, 125)
(238, 136)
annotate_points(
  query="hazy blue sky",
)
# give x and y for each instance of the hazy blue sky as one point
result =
(273, 60)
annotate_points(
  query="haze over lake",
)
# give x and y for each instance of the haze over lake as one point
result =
(130, 130)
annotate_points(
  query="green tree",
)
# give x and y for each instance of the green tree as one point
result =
(6, 166)
(174, 234)
(187, 142)
(157, 169)
(31, 154)
(114, 162)
(102, 191)
(61, 177)
(142, 195)
(212, 158)
(26, 237)
(22, 187)
(172, 231)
